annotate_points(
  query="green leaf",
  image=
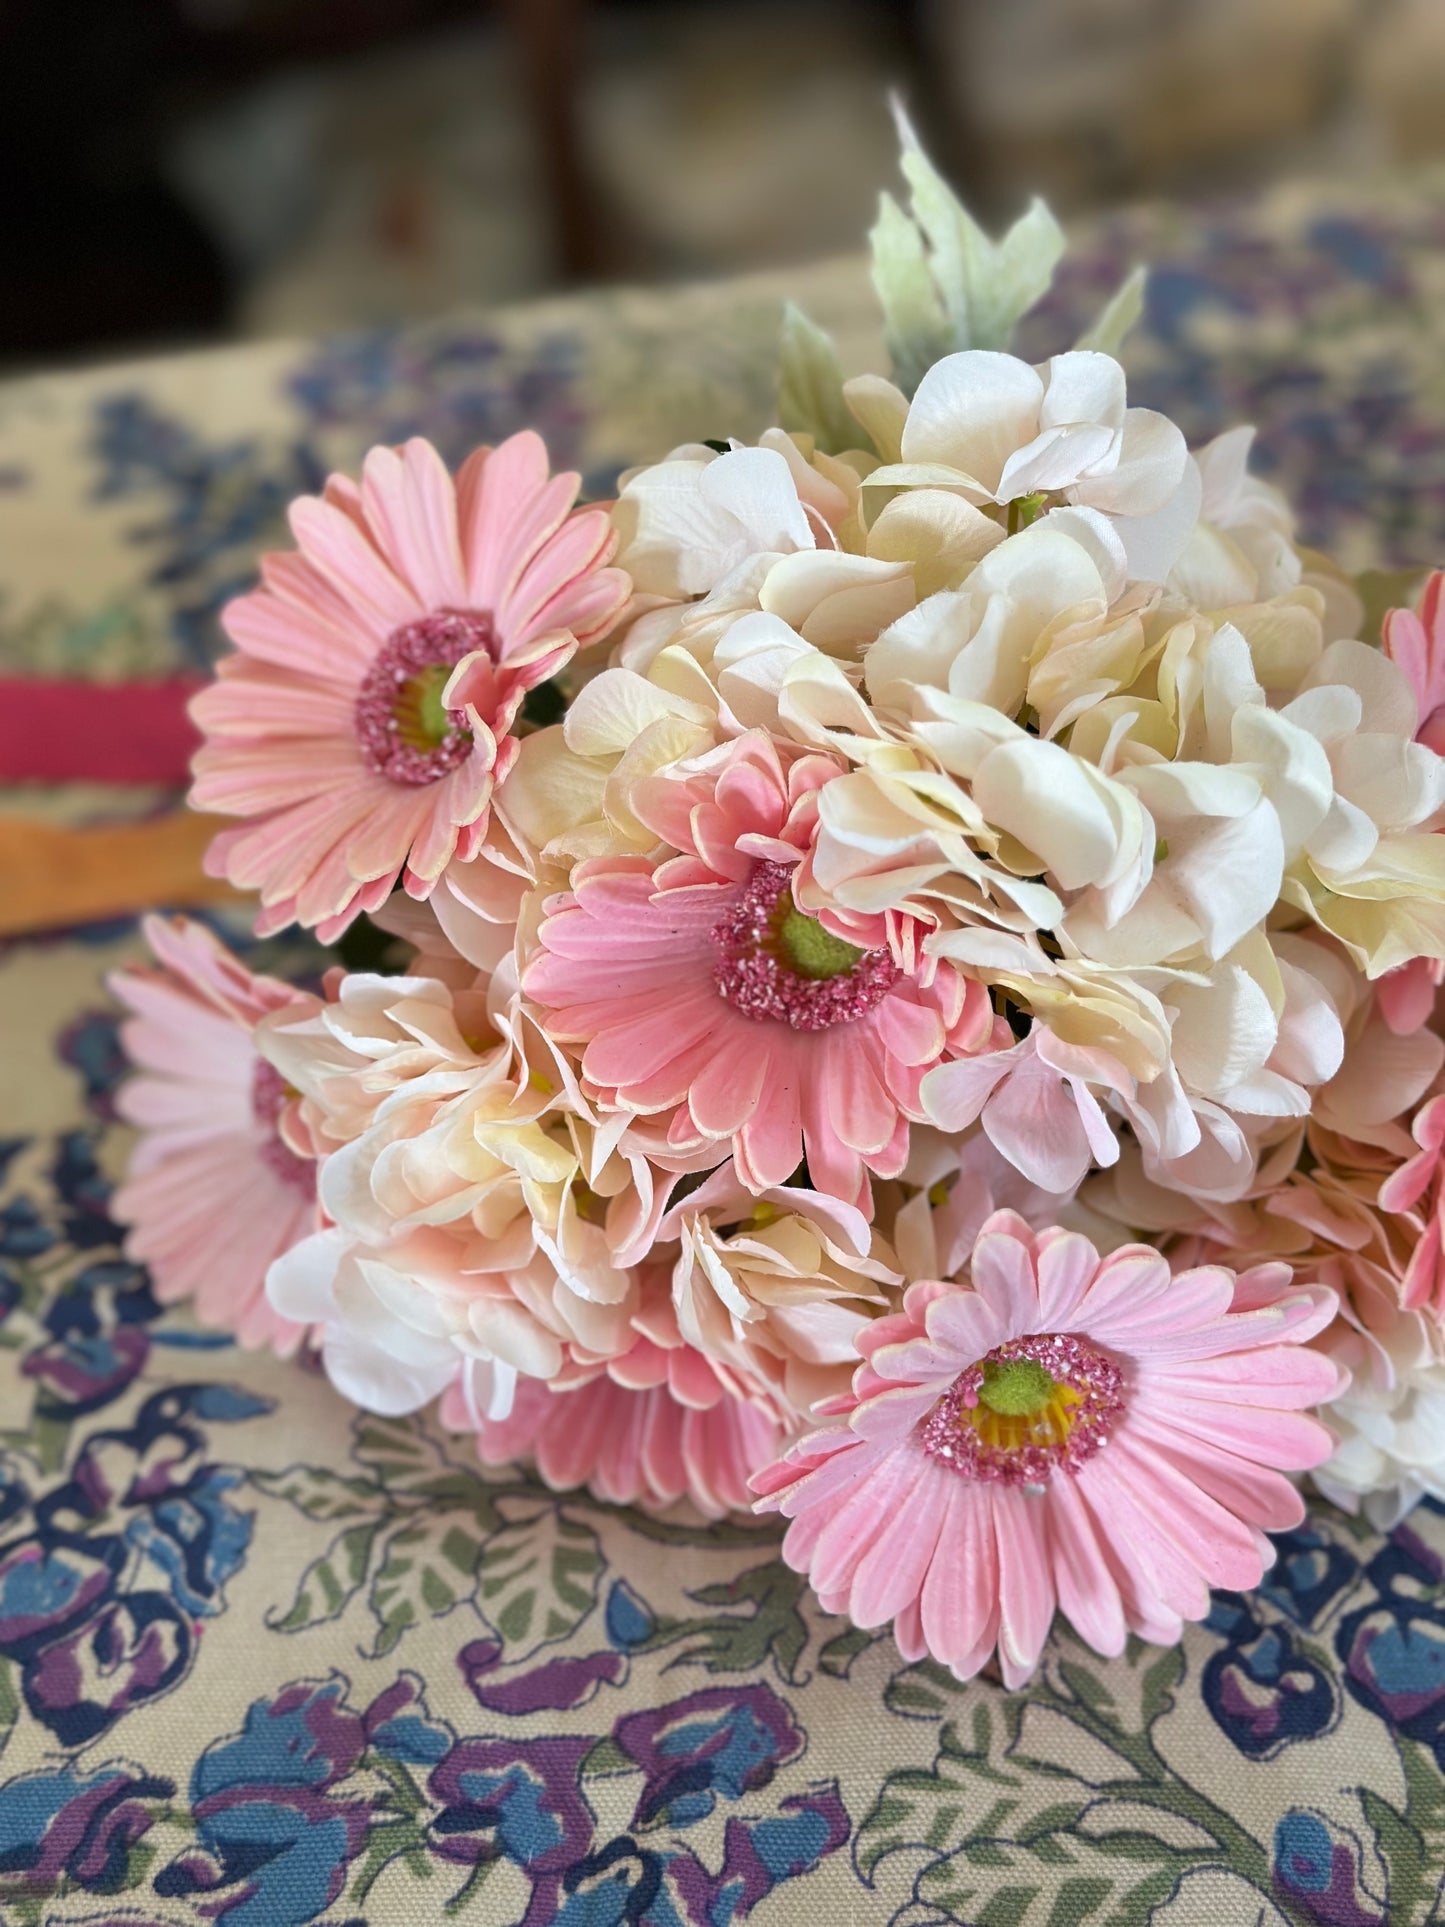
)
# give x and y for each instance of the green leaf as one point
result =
(471, 1887)
(915, 328)
(943, 283)
(386, 1841)
(321, 1494)
(1161, 1675)
(429, 1566)
(810, 386)
(923, 1691)
(363, 945)
(9, 1702)
(1412, 1843)
(539, 1578)
(330, 1582)
(545, 704)
(1119, 315)
(397, 1451)
(1058, 1874)
(738, 1642)
(605, 1759)
(973, 1792)
(836, 1657)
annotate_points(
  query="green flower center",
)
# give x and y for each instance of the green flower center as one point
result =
(811, 950)
(1015, 1387)
(1025, 510)
(404, 730)
(422, 719)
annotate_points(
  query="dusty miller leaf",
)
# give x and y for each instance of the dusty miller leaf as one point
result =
(943, 283)
(915, 328)
(1118, 317)
(810, 386)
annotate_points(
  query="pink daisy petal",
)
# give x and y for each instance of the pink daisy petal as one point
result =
(341, 733)
(1087, 1591)
(635, 1447)
(960, 1596)
(543, 595)
(889, 1574)
(410, 508)
(1241, 1485)
(350, 564)
(697, 986)
(215, 1193)
(507, 509)
(1025, 1438)
(1026, 1586)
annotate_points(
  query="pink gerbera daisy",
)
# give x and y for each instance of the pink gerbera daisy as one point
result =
(700, 990)
(1419, 1186)
(221, 1181)
(1414, 640)
(1064, 1431)
(363, 724)
(654, 1425)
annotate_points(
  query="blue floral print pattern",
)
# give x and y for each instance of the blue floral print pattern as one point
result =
(257, 1675)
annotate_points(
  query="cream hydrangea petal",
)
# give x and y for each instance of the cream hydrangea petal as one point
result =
(685, 524)
(1154, 542)
(1059, 808)
(835, 600)
(970, 412)
(1099, 538)
(882, 411)
(1223, 1031)
(1083, 386)
(372, 1375)
(939, 535)
(756, 488)
(1056, 460)
(1387, 702)
(611, 711)
(1151, 467)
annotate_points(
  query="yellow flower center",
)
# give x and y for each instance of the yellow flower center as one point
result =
(422, 720)
(1034, 1406)
(1019, 1403)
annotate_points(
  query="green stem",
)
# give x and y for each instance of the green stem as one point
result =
(1159, 1787)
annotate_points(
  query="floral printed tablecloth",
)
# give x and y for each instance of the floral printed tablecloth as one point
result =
(267, 1661)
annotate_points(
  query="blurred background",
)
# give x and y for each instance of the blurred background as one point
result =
(186, 170)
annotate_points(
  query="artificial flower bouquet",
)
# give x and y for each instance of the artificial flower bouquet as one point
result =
(924, 939)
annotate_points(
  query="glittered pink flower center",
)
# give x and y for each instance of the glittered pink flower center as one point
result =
(406, 732)
(270, 1094)
(775, 963)
(1032, 1407)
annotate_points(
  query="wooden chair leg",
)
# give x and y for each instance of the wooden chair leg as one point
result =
(548, 36)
